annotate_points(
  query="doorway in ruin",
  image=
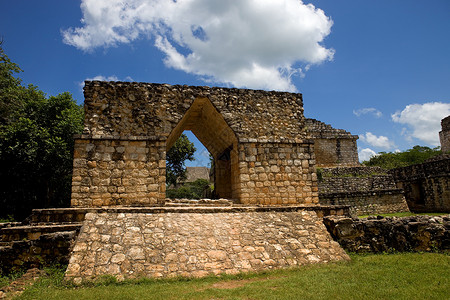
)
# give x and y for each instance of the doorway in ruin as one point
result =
(207, 124)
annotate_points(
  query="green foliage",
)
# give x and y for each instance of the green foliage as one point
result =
(181, 151)
(190, 190)
(391, 160)
(36, 145)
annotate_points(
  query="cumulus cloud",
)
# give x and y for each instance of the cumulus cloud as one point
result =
(368, 110)
(422, 121)
(365, 154)
(376, 141)
(244, 43)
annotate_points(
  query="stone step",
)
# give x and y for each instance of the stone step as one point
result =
(57, 215)
(19, 233)
(199, 202)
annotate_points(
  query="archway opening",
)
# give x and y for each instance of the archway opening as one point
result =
(189, 169)
(208, 125)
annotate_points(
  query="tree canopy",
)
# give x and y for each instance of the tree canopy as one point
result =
(182, 150)
(391, 160)
(36, 144)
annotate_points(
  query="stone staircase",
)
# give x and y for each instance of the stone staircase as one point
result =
(44, 238)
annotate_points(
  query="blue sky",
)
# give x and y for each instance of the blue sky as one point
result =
(379, 69)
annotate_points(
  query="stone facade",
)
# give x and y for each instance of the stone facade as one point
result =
(195, 243)
(257, 138)
(444, 135)
(427, 185)
(277, 173)
(367, 190)
(378, 234)
(118, 172)
(332, 147)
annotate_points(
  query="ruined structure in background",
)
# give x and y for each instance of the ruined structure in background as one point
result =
(367, 190)
(261, 151)
(427, 185)
(444, 135)
(332, 147)
(194, 173)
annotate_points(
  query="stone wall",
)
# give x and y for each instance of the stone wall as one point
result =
(426, 186)
(46, 250)
(367, 190)
(332, 147)
(276, 173)
(444, 135)
(417, 233)
(366, 203)
(125, 109)
(194, 243)
(118, 172)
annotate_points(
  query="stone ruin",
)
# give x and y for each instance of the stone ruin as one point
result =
(265, 155)
(262, 151)
(427, 186)
(444, 135)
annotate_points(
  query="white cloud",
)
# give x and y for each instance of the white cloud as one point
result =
(422, 121)
(245, 43)
(368, 110)
(377, 141)
(365, 154)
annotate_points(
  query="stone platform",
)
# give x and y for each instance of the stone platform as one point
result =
(199, 241)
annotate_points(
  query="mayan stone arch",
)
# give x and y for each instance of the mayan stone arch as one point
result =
(257, 139)
(213, 132)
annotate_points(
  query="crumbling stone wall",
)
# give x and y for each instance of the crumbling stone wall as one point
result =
(367, 190)
(378, 234)
(427, 185)
(444, 135)
(332, 147)
(120, 158)
(192, 243)
(48, 249)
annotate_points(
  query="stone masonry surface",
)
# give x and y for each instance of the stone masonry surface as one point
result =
(367, 190)
(444, 135)
(48, 249)
(378, 234)
(262, 153)
(131, 245)
(124, 109)
(332, 147)
(427, 185)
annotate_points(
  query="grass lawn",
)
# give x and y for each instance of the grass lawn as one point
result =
(383, 276)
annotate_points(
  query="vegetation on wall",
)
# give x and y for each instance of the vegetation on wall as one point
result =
(391, 160)
(36, 144)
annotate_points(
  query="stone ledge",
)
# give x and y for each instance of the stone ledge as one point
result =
(191, 209)
(361, 193)
(120, 138)
(18, 233)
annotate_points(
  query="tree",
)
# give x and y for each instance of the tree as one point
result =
(391, 160)
(36, 144)
(182, 150)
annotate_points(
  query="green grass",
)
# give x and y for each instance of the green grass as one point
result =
(406, 214)
(393, 276)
